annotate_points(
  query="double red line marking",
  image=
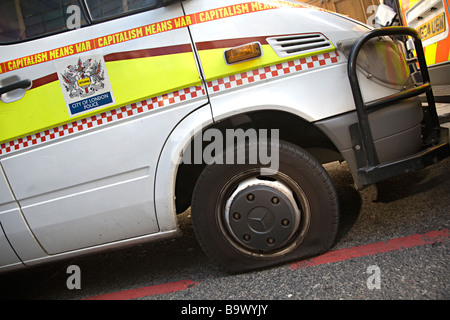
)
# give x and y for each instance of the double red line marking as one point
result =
(397, 244)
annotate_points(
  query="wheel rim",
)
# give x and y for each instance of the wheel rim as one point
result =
(265, 216)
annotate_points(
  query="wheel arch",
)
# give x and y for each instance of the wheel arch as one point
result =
(292, 128)
(169, 164)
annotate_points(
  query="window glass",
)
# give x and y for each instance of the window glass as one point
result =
(100, 9)
(23, 19)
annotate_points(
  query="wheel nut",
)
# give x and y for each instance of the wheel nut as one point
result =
(275, 200)
(250, 197)
(270, 240)
(285, 222)
(246, 237)
(236, 216)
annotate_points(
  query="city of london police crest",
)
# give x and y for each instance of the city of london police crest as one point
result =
(85, 84)
(84, 78)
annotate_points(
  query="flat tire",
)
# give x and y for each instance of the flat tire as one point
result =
(248, 217)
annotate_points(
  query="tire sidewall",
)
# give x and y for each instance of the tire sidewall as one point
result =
(310, 177)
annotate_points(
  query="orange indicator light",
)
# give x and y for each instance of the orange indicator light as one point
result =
(243, 53)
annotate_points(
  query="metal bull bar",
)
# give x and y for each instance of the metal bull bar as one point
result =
(435, 138)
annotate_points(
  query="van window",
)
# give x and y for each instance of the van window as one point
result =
(24, 19)
(101, 9)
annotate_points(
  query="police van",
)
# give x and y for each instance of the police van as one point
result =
(430, 19)
(115, 114)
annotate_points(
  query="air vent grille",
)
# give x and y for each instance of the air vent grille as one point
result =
(291, 45)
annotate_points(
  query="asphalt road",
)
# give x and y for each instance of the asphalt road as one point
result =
(393, 243)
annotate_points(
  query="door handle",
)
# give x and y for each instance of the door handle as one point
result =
(14, 91)
(23, 84)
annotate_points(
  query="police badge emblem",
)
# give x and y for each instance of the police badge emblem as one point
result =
(85, 84)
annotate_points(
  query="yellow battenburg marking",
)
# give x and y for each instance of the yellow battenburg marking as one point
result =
(38, 110)
(131, 80)
(214, 65)
(412, 2)
(142, 77)
(430, 53)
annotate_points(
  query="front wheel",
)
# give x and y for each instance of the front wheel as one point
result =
(247, 218)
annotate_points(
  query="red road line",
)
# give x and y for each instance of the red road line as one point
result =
(375, 248)
(146, 291)
(330, 257)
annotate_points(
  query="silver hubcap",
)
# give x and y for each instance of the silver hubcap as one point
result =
(262, 215)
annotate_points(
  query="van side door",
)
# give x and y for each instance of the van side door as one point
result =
(8, 205)
(90, 91)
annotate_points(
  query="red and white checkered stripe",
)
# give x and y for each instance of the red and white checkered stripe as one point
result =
(273, 71)
(169, 99)
(103, 118)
